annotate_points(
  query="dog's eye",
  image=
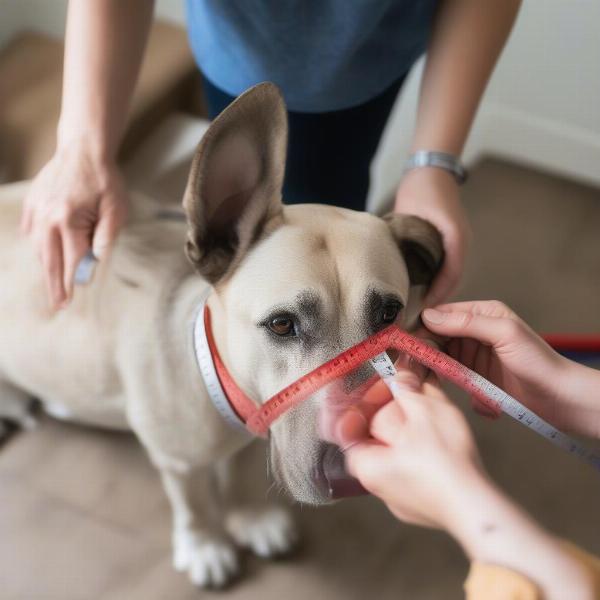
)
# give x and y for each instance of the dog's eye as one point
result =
(390, 312)
(283, 326)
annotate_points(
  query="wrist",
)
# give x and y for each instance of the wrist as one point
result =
(428, 175)
(437, 160)
(578, 388)
(438, 139)
(89, 142)
(472, 510)
(85, 148)
(84, 160)
(493, 530)
(484, 512)
(423, 187)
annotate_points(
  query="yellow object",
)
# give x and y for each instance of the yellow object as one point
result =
(491, 582)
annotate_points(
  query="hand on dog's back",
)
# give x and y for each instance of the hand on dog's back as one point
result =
(75, 203)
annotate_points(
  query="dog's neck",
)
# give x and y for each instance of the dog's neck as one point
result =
(230, 401)
(190, 296)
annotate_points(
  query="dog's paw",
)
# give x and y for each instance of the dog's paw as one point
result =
(210, 560)
(268, 532)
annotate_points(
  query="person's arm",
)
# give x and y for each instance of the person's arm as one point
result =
(499, 537)
(104, 45)
(466, 40)
(77, 201)
(418, 455)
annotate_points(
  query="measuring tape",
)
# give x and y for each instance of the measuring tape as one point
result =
(239, 410)
(474, 383)
(441, 364)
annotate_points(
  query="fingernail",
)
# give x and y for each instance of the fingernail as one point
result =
(434, 316)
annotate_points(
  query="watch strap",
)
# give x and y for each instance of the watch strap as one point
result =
(440, 160)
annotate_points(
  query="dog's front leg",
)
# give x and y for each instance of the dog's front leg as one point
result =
(252, 519)
(200, 545)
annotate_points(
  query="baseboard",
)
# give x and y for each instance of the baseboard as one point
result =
(538, 142)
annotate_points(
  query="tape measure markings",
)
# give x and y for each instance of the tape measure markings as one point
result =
(442, 364)
(392, 337)
(471, 381)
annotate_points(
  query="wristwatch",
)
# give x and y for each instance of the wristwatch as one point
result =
(441, 160)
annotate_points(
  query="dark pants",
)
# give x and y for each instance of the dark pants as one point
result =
(329, 154)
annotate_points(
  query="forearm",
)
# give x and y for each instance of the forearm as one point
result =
(493, 530)
(578, 388)
(104, 45)
(466, 40)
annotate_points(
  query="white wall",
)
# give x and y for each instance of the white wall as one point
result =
(542, 106)
(33, 14)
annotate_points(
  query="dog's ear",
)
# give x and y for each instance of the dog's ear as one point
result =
(233, 193)
(421, 245)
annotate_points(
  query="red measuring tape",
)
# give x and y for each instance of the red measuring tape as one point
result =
(389, 338)
(258, 418)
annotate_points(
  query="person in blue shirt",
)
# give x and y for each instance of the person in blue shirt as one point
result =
(340, 65)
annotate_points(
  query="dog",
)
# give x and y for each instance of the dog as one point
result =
(288, 287)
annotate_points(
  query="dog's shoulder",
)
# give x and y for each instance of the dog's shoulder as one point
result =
(149, 256)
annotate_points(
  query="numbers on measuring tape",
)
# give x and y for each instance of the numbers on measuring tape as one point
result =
(384, 366)
(472, 382)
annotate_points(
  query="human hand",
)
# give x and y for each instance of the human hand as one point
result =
(492, 340)
(75, 203)
(415, 452)
(432, 194)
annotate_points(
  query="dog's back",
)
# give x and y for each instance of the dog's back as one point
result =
(67, 358)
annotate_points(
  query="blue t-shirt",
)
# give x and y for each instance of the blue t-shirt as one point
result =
(324, 54)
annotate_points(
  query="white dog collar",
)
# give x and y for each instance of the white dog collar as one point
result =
(204, 357)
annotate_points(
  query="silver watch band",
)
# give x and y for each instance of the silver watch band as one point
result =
(441, 160)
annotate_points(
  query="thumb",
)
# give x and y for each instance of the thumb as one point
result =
(109, 223)
(489, 330)
(364, 460)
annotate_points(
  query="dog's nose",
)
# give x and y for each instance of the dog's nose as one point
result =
(332, 479)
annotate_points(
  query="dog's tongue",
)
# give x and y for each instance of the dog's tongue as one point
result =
(341, 484)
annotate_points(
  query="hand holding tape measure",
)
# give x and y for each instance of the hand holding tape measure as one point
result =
(553, 392)
(510, 351)
(489, 338)
(417, 452)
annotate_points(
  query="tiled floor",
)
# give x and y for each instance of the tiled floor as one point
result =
(82, 513)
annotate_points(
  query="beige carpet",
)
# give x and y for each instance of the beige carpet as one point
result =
(82, 514)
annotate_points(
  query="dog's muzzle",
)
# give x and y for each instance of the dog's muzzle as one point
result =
(337, 390)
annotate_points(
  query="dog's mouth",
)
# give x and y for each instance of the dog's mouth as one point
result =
(331, 478)
(317, 477)
(305, 457)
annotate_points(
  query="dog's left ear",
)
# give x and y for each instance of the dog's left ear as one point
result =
(233, 193)
(421, 245)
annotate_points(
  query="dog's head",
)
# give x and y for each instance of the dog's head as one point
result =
(294, 285)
